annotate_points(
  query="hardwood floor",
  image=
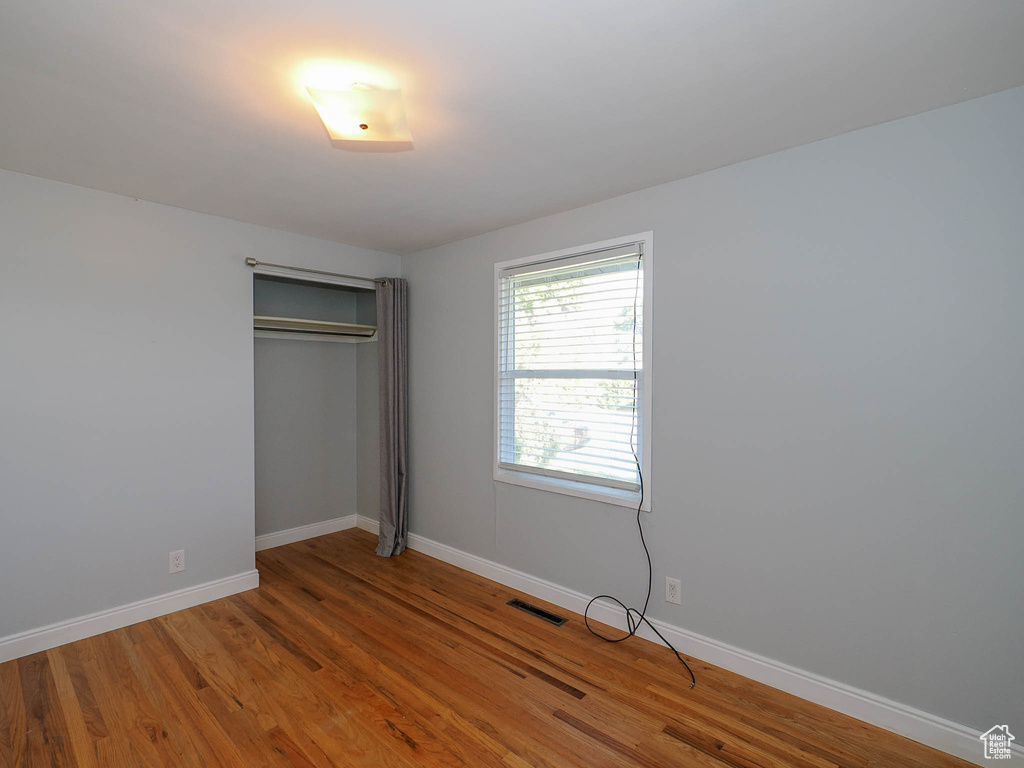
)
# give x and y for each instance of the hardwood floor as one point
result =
(342, 658)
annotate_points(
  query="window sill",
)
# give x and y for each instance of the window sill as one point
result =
(614, 496)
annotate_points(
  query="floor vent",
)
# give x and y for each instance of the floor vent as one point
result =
(540, 613)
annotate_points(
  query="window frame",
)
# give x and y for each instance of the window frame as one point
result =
(582, 488)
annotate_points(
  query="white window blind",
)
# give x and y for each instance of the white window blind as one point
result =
(570, 367)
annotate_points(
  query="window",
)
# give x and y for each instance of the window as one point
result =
(572, 379)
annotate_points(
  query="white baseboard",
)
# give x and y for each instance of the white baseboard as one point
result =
(290, 536)
(44, 638)
(905, 720)
(369, 524)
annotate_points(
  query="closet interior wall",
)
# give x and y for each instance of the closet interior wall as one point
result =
(316, 455)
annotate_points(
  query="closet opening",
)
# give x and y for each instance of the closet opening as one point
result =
(316, 406)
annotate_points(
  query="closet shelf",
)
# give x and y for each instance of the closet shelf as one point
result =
(312, 329)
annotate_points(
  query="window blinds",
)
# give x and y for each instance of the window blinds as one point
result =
(570, 367)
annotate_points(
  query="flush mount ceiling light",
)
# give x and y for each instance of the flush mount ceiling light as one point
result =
(362, 113)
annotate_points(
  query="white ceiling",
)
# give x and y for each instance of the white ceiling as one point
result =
(518, 108)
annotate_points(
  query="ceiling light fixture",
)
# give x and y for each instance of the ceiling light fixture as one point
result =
(362, 113)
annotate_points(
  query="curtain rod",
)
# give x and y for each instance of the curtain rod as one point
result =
(254, 263)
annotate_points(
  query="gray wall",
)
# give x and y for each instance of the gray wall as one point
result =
(838, 413)
(306, 445)
(282, 298)
(126, 394)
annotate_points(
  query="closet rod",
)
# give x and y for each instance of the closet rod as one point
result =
(254, 263)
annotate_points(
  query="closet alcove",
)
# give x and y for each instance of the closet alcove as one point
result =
(316, 412)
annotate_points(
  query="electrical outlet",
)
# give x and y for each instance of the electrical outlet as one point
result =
(672, 589)
(177, 561)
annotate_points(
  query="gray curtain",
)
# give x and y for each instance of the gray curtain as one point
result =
(392, 370)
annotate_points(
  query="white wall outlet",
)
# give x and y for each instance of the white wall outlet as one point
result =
(672, 590)
(177, 561)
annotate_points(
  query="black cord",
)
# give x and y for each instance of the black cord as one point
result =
(634, 624)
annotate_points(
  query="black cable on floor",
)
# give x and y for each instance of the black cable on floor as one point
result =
(633, 624)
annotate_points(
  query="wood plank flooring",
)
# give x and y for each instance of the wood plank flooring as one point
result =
(342, 658)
